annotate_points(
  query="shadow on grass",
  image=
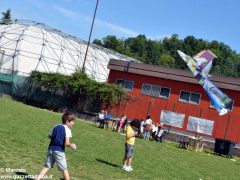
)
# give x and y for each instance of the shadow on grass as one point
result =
(24, 175)
(108, 163)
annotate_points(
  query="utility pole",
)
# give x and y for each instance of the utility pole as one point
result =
(89, 38)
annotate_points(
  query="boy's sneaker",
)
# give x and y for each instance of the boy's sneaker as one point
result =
(127, 169)
(124, 167)
(130, 168)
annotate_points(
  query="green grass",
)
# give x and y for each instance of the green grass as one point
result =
(24, 142)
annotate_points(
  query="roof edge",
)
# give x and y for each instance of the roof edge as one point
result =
(170, 73)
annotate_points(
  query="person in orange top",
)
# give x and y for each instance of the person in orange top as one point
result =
(129, 145)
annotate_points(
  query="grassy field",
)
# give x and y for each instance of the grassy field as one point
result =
(99, 155)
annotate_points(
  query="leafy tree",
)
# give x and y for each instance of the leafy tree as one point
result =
(238, 69)
(154, 50)
(98, 42)
(110, 91)
(171, 45)
(217, 70)
(167, 60)
(138, 47)
(79, 87)
(49, 80)
(6, 15)
(165, 52)
(111, 42)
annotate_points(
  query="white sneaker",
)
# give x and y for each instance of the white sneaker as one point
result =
(130, 168)
(127, 169)
(124, 167)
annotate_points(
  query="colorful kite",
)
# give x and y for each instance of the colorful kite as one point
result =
(200, 66)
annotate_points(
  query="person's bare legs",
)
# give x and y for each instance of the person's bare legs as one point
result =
(124, 161)
(42, 173)
(129, 161)
(66, 175)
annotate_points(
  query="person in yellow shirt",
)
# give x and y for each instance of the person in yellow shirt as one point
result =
(129, 145)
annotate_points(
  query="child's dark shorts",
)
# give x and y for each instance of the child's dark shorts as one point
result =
(129, 150)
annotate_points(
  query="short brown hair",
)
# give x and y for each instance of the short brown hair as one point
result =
(68, 116)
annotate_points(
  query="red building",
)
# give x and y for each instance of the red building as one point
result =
(155, 90)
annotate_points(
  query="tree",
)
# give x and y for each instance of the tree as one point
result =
(217, 70)
(6, 16)
(111, 42)
(137, 46)
(164, 52)
(167, 60)
(97, 42)
(154, 50)
(78, 87)
(238, 69)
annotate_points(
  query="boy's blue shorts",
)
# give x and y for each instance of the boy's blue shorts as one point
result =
(129, 150)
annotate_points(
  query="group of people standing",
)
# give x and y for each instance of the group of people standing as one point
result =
(135, 128)
(150, 130)
(147, 129)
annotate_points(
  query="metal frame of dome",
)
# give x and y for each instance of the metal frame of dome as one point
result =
(26, 46)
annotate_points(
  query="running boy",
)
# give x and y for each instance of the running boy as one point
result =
(60, 137)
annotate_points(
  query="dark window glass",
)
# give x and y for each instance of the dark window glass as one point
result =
(194, 98)
(120, 83)
(165, 92)
(184, 96)
(128, 85)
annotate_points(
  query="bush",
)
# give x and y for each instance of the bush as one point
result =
(79, 87)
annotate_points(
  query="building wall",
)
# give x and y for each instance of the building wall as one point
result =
(138, 105)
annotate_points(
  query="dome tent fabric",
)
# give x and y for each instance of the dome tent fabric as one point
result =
(26, 46)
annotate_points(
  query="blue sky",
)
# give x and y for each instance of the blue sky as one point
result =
(207, 19)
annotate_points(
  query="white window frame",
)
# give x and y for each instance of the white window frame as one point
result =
(164, 97)
(124, 84)
(189, 102)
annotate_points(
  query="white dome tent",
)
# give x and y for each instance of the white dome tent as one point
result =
(26, 46)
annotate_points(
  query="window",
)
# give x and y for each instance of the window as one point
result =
(211, 105)
(156, 91)
(194, 98)
(146, 89)
(184, 96)
(127, 85)
(165, 92)
(189, 97)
